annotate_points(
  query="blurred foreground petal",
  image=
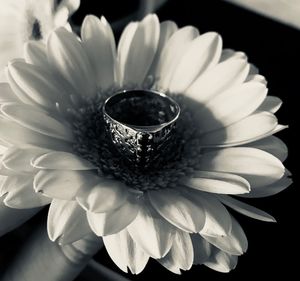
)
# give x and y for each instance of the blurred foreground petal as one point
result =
(12, 218)
(41, 258)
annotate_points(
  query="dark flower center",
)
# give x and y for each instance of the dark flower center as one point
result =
(93, 144)
(36, 32)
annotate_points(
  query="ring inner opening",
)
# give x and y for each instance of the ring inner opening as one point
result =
(142, 108)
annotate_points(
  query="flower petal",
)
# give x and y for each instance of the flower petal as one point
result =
(18, 159)
(151, 232)
(60, 184)
(202, 54)
(136, 50)
(215, 182)
(234, 243)
(230, 106)
(34, 85)
(35, 53)
(6, 94)
(99, 43)
(245, 209)
(202, 249)
(270, 189)
(67, 222)
(217, 218)
(258, 167)
(15, 134)
(172, 53)
(114, 221)
(181, 254)
(167, 29)
(272, 145)
(270, 104)
(178, 210)
(20, 194)
(59, 160)
(230, 54)
(223, 76)
(67, 55)
(37, 121)
(221, 261)
(256, 77)
(102, 195)
(125, 252)
(242, 132)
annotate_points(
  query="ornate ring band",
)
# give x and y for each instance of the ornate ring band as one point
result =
(141, 124)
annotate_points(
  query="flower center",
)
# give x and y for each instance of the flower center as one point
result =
(36, 33)
(94, 144)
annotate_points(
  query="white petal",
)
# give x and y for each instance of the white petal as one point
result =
(230, 106)
(71, 5)
(270, 104)
(34, 85)
(136, 50)
(20, 193)
(215, 182)
(67, 222)
(202, 54)
(181, 254)
(19, 159)
(15, 134)
(114, 221)
(67, 55)
(231, 54)
(270, 189)
(37, 121)
(151, 232)
(221, 261)
(178, 210)
(253, 69)
(99, 44)
(60, 184)
(217, 218)
(256, 166)
(172, 53)
(223, 76)
(245, 209)
(167, 28)
(125, 252)
(234, 243)
(6, 94)
(59, 160)
(35, 53)
(102, 195)
(257, 77)
(244, 131)
(202, 249)
(123, 49)
(272, 145)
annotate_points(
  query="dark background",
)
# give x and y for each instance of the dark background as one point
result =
(275, 49)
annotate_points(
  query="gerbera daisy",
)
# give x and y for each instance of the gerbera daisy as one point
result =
(56, 149)
(24, 20)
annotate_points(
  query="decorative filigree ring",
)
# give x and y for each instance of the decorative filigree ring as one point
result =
(141, 124)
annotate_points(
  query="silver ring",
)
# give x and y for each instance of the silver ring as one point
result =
(141, 123)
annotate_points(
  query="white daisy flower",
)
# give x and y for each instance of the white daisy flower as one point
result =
(24, 20)
(56, 150)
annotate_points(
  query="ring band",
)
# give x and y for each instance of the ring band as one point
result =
(141, 124)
